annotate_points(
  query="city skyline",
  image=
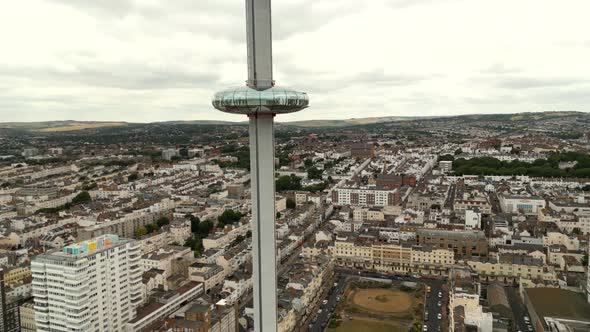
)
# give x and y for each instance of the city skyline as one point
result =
(126, 61)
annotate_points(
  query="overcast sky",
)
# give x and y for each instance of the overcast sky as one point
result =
(157, 60)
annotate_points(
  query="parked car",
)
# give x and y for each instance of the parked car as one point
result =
(439, 316)
(425, 328)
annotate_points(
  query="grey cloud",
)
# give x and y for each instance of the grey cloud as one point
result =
(218, 18)
(500, 68)
(537, 82)
(122, 75)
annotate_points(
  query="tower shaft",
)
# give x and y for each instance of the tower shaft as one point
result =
(259, 30)
(264, 265)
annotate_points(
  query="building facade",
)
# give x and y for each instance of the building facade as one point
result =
(93, 285)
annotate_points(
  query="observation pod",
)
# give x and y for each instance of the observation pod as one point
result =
(274, 100)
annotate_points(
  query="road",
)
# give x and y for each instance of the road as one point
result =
(451, 197)
(322, 320)
(495, 202)
(432, 307)
(518, 309)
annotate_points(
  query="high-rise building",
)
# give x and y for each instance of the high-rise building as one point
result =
(93, 285)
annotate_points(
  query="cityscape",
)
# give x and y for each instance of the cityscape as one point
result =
(469, 223)
(275, 215)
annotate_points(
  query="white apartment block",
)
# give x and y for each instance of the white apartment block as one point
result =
(93, 285)
(516, 204)
(365, 196)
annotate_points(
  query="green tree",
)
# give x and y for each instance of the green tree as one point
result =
(314, 173)
(162, 221)
(446, 157)
(82, 198)
(141, 231)
(291, 203)
(239, 239)
(288, 182)
(229, 217)
(205, 227)
(194, 224)
(132, 177)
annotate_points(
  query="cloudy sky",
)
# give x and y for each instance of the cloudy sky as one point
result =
(157, 60)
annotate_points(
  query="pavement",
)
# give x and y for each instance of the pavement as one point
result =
(518, 309)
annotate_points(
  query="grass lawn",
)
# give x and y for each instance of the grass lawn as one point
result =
(367, 326)
(381, 300)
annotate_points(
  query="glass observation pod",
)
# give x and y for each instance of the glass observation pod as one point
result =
(244, 100)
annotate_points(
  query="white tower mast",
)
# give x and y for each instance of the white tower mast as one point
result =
(261, 101)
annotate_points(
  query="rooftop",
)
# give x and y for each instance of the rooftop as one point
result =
(559, 303)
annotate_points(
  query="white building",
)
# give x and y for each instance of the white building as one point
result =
(93, 285)
(525, 204)
(472, 219)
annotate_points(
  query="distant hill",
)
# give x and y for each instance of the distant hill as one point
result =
(59, 126)
(71, 125)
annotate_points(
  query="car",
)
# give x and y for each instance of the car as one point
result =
(324, 302)
(426, 316)
(527, 319)
(439, 316)
(439, 303)
(425, 328)
(440, 294)
(530, 328)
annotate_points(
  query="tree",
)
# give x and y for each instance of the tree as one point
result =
(82, 198)
(141, 231)
(288, 182)
(446, 157)
(229, 217)
(239, 239)
(314, 173)
(308, 163)
(278, 215)
(132, 177)
(152, 228)
(194, 224)
(291, 203)
(249, 234)
(162, 221)
(205, 227)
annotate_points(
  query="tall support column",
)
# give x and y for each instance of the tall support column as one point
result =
(259, 30)
(264, 264)
(259, 34)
